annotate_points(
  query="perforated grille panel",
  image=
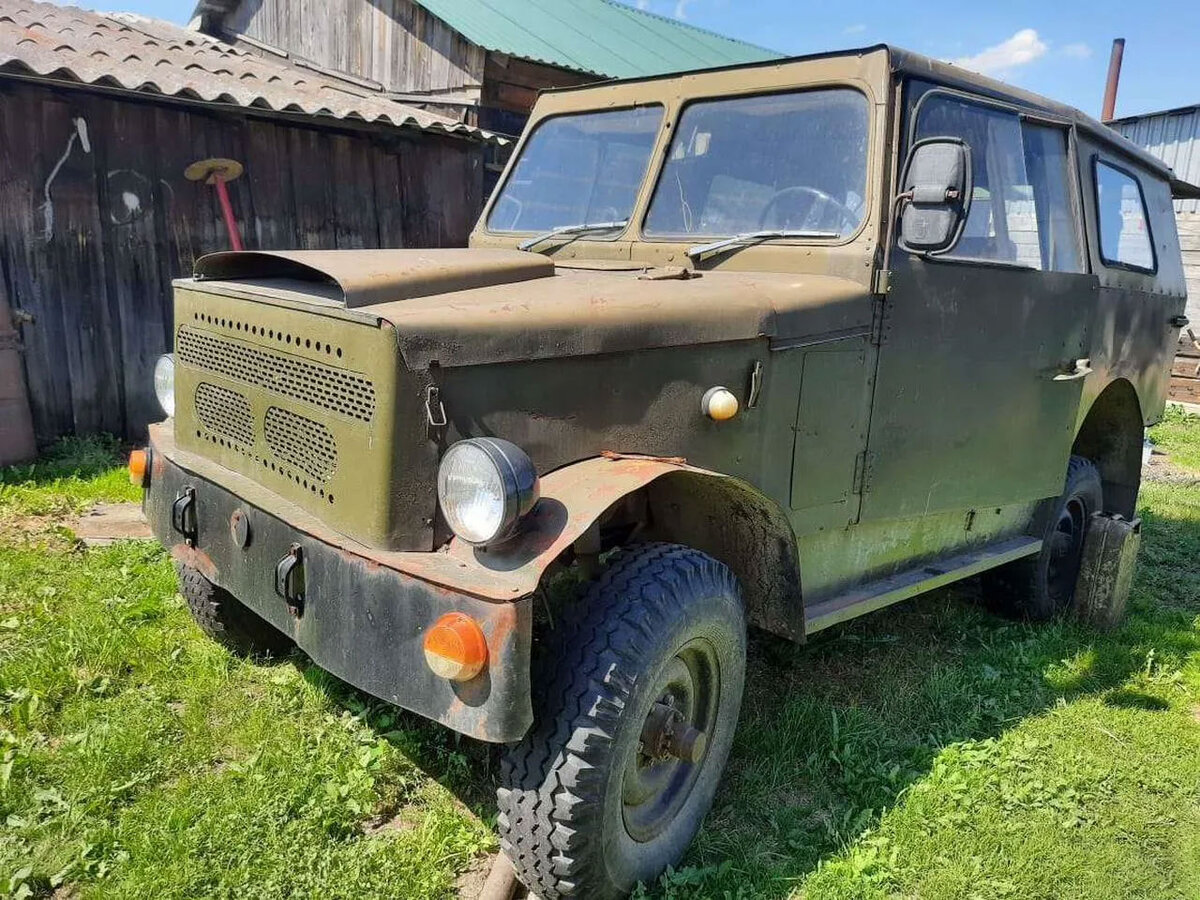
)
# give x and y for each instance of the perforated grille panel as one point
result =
(337, 390)
(225, 413)
(300, 441)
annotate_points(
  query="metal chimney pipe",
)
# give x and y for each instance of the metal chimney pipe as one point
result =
(1114, 78)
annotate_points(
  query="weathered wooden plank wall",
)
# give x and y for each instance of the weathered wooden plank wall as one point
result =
(90, 250)
(394, 42)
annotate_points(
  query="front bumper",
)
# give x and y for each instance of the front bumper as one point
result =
(360, 620)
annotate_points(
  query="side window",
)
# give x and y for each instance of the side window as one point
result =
(1022, 208)
(1121, 217)
(1049, 170)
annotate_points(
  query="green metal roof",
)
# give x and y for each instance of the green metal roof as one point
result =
(604, 37)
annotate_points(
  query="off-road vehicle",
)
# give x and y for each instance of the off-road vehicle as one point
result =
(778, 344)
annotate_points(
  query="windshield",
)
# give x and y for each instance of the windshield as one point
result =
(578, 169)
(794, 162)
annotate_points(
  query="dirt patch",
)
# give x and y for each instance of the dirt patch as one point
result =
(405, 820)
(470, 882)
(1161, 469)
(106, 523)
(1196, 713)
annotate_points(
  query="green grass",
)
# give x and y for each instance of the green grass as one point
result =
(73, 475)
(931, 750)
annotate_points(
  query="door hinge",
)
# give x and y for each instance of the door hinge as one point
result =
(882, 282)
(877, 313)
(862, 473)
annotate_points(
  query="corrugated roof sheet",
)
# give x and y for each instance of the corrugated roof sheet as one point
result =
(149, 56)
(1174, 137)
(603, 37)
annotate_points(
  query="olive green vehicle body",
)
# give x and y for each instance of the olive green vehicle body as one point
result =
(902, 420)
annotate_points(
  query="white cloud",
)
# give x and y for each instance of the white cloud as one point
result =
(1021, 49)
(1077, 51)
(643, 4)
(854, 29)
(681, 9)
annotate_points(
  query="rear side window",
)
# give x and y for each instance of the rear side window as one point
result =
(1121, 217)
(1023, 210)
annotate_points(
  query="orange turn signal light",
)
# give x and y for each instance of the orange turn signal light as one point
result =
(139, 467)
(455, 647)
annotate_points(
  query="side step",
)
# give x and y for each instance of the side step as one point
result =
(903, 585)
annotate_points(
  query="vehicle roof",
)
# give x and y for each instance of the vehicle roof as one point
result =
(908, 63)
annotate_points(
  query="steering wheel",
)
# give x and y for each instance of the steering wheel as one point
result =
(849, 219)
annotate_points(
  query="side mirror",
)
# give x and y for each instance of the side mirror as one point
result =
(936, 195)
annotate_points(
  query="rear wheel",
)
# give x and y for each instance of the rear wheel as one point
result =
(636, 702)
(1042, 586)
(228, 621)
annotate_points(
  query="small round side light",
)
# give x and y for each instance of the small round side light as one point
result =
(455, 648)
(719, 404)
(139, 467)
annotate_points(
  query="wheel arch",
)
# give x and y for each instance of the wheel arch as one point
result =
(1111, 435)
(733, 522)
(660, 499)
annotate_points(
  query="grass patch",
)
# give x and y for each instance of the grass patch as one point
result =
(73, 475)
(930, 750)
(1176, 436)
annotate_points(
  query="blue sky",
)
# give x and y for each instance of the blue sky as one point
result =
(1055, 47)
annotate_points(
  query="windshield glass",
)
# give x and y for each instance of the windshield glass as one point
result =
(795, 162)
(578, 169)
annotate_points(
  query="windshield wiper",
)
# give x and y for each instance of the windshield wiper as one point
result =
(572, 231)
(754, 237)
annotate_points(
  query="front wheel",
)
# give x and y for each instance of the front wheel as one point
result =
(227, 621)
(636, 702)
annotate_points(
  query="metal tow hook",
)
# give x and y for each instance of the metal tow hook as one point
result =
(289, 580)
(183, 515)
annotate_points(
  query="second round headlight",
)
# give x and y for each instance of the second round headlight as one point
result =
(164, 383)
(485, 486)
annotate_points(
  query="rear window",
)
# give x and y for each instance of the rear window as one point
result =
(1121, 216)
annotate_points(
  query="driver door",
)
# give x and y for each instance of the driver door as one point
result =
(977, 385)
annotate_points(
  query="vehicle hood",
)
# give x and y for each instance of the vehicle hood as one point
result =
(477, 306)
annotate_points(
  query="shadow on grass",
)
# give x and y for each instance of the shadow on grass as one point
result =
(833, 732)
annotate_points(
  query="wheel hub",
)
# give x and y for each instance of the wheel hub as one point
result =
(673, 742)
(667, 735)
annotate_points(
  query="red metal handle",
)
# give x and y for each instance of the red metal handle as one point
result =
(235, 239)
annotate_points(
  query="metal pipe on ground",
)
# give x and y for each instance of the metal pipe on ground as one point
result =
(501, 882)
(1114, 78)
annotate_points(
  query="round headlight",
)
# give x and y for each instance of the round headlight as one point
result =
(485, 486)
(164, 383)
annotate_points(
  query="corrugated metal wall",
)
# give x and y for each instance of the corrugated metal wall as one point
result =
(1174, 137)
(90, 239)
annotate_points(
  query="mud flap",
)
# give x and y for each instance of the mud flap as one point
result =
(1110, 550)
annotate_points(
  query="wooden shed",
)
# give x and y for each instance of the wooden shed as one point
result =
(482, 60)
(101, 114)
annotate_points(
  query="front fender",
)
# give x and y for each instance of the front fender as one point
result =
(573, 498)
(719, 515)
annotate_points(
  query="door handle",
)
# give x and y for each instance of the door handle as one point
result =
(1080, 368)
(1180, 321)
